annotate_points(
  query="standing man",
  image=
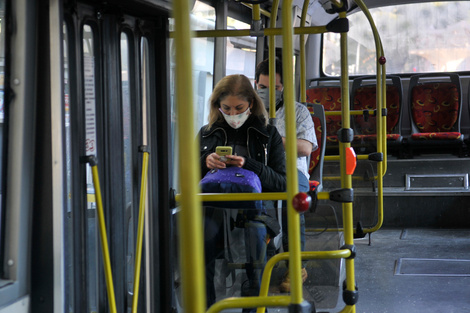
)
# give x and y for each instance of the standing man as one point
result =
(306, 143)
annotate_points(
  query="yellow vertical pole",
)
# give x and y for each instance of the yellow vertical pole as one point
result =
(293, 219)
(190, 219)
(381, 120)
(104, 238)
(303, 78)
(346, 180)
(256, 13)
(382, 134)
(272, 62)
(140, 231)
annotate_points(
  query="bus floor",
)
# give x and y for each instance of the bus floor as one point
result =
(414, 270)
(410, 270)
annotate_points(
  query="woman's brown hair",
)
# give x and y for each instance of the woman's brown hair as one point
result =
(238, 86)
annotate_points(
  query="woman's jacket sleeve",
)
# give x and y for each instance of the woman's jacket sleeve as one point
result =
(272, 176)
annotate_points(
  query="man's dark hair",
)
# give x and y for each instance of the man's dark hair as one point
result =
(263, 69)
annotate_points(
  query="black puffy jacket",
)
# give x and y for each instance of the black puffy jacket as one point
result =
(266, 154)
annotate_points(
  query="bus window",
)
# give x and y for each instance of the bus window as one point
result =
(202, 18)
(420, 37)
(241, 51)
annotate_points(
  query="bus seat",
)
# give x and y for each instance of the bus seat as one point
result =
(329, 96)
(315, 168)
(435, 110)
(363, 97)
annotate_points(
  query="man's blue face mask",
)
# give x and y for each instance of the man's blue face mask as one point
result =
(264, 95)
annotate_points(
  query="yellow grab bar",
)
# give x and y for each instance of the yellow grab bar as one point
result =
(248, 196)
(303, 77)
(272, 62)
(247, 32)
(306, 255)
(191, 241)
(140, 229)
(104, 239)
(293, 220)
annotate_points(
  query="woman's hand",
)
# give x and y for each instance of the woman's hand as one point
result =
(213, 161)
(235, 160)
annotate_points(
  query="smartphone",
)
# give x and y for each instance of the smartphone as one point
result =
(223, 151)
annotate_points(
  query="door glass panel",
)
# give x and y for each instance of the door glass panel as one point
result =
(127, 155)
(90, 142)
(2, 133)
(68, 255)
(145, 87)
(144, 75)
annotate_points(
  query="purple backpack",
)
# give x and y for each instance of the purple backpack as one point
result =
(232, 180)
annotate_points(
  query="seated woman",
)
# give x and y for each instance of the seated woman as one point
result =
(237, 118)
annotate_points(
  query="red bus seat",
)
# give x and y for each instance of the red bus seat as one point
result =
(329, 96)
(363, 97)
(435, 110)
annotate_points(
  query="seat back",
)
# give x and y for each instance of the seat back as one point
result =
(363, 97)
(329, 96)
(435, 106)
(315, 168)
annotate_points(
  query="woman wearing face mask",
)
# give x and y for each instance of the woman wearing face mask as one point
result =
(237, 118)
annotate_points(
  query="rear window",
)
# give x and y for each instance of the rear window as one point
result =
(421, 37)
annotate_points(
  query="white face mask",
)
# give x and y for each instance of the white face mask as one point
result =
(264, 95)
(236, 121)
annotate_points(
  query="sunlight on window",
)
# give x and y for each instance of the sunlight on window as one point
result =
(241, 51)
(422, 37)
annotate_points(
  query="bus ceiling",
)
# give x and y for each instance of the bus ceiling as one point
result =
(320, 11)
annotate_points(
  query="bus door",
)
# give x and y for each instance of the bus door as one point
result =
(110, 92)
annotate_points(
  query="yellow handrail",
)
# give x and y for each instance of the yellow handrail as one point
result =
(104, 239)
(249, 302)
(381, 124)
(191, 245)
(262, 11)
(293, 219)
(247, 32)
(324, 195)
(140, 230)
(346, 181)
(272, 62)
(303, 78)
(306, 255)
